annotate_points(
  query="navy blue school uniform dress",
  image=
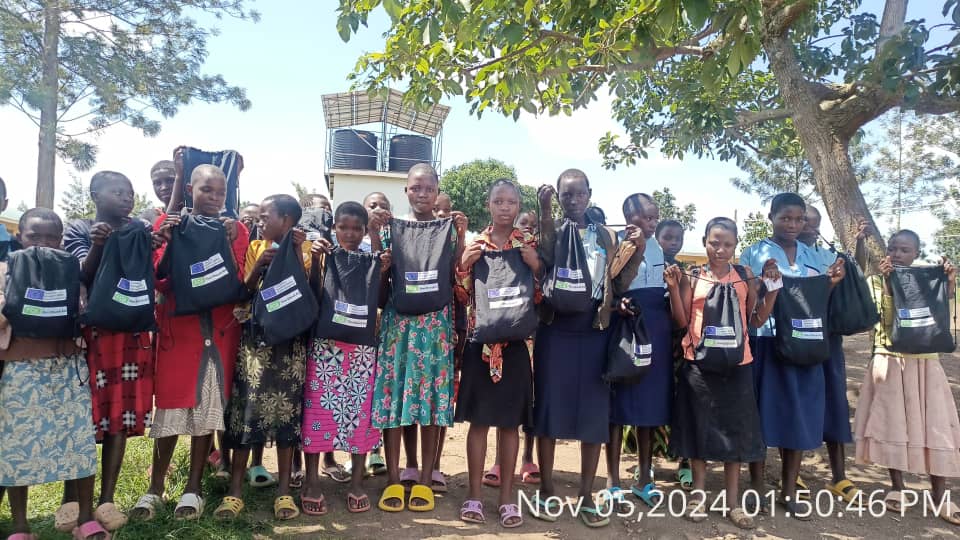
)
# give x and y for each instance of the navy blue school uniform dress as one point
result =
(836, 420)
(648, 402)
(791, 398)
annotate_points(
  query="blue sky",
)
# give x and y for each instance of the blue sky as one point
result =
(294, 55)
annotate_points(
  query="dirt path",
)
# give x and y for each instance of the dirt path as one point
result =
(444, 521)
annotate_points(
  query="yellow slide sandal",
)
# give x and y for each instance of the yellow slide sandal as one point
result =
(392, 492)
(285, 503)
(845, 490)
(423, 493)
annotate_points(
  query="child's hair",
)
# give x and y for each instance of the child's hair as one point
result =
(162, 164)
(914, 237)
(424, 168)
(634, 202)
(722, 223)
(783, 200)
(596, 215)
(667, 223)
(353, 209)
(573, 174)
(502, 182)
(40, 213)
(286, 206)
(103, 178)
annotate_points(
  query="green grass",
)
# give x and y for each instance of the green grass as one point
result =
(257, 519)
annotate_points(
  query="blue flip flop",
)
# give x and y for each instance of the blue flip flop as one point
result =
(647, 494)
(543, 507)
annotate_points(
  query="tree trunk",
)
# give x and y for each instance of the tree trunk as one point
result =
(47, 151)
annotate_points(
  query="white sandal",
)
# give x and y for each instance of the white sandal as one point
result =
(150, 503)
(189, 500)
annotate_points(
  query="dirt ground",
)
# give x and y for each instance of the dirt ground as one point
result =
(445, 523)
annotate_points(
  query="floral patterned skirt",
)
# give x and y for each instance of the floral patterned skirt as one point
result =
(46, 432)
(337, 398)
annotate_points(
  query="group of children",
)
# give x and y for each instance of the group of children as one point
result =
(213, 372)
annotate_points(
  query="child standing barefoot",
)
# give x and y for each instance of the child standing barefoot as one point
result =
(906, 417)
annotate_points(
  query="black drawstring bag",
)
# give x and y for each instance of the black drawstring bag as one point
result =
(567, 286)
(630, 350)
(122, 295)
(317, 223)
(852, 309)
(349, 298)
(42, 293)
(200, 264)
(422, 264)
(503, 292)
(802, 319)
(284, 306)
(721, 335)
(921, 321)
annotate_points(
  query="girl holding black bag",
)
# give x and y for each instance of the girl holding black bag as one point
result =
(790, 396)
(496, 386)
(572, 400)
(414, 382)
(906, 417)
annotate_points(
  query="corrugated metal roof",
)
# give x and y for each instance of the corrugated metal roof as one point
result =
(356, 108)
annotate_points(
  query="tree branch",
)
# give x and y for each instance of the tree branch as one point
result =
(749, 118)
(779, 18)
(891, 24)
(934, 105)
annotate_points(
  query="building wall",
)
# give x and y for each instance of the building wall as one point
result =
(355, 185)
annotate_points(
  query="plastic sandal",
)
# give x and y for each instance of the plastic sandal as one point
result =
(88, 529)
(740, 518)
(409, 476)
(492, 477)
(393, 491)
(355, 503)
(530, 473)
(260, 477)
(110, 516)
(319, 503)
(192, 501)
(508, 511)
(695, 512)
(337, 473)
(214, 459)
(615, 496)
(65, 518)
(23, 536)
(795, 511)
(801, 485)
(893, 501)
(545, 508)
(470, 509)
(149, 503)
(950, 513)
(438, 482)
(585, 510)
(375, 465)
(685, 477)
(845, 490)
(423, 493)
(229, 508)
(296, 480)
(285, 502)
(649, 494)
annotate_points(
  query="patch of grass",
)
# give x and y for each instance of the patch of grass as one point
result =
(45, 499)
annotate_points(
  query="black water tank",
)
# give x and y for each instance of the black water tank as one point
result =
(408, 150)
(353, 149)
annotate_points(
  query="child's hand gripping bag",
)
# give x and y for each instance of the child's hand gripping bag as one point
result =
(721, 337)
(349, 298)
(630, 350)
(802, 316)
(852, 309)
(121, 298)
(503, 292)
(921, 322)
(284, 306)
(567, 286)
(201, 266)
(422, 263)
(42, 293)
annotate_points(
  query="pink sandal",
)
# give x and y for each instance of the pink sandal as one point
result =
(530, 473)
(492, 477)
(409, 476)
(89, 529)
(23, 536)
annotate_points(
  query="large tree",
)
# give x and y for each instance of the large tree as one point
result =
(75, 67)
(467, 185)
(700, 77)
(669, 209)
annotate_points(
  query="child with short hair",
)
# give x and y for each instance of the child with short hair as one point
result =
(45, 421)
(906, 417)
(121, 363)
(669, 235)
(195, 356)
(267, 394)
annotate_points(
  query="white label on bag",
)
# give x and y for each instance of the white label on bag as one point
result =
(131, 301)
(916, 323)
(807, 323)
(200, 267)
(569, 273)
(643, 349)
(915, 313)
(284, 301)
(349, 321)
(41, 295)
(429, 275)
(132, 286)
(505, 292)
(720, 331)
(350, 309)
(720, 343)
(500, 304)
(46, 312)
(201, 281)
(419, 289)
(814, 336)
(272, 292)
